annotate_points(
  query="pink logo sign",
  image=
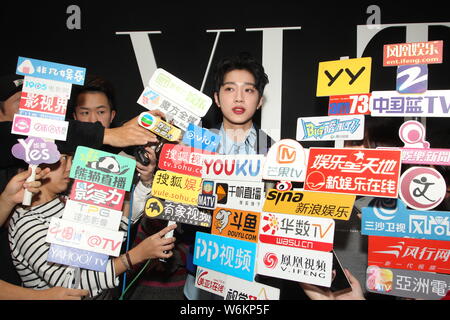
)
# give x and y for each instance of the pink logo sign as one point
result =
(22, 124)
(412, 134)
(417, 150)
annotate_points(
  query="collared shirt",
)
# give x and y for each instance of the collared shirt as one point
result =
(228, 146)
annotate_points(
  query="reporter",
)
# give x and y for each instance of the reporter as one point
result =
(10, 197)
(27, 233)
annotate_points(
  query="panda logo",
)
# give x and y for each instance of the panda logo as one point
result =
(106, 164)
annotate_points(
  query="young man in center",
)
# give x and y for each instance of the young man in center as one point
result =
(239, 84)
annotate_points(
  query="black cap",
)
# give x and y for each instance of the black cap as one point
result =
(9, 85)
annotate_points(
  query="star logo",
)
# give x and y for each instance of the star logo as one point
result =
(360, 155)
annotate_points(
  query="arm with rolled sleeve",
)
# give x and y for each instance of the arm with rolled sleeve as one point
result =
(140, 194)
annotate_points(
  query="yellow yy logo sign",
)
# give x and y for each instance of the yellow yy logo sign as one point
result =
(342, 77)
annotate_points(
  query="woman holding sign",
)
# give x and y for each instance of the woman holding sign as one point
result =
(9, 198)
(27, 235)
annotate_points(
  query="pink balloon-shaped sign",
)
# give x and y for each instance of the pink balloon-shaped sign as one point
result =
(34, 151)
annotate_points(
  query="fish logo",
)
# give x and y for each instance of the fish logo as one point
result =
(222, 219)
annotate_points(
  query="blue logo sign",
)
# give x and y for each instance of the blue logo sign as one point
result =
(234, 257)
(200, 138)
(50, 70)
(42, 115)
(390, 218)
(206, 201)
(77, 258)
(325, 128)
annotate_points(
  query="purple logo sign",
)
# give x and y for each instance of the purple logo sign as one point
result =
(412, 79)
(77, 258)
(35, 151)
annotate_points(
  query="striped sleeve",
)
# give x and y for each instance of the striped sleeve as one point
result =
(96, 282)
(124, 226)
(29, 253)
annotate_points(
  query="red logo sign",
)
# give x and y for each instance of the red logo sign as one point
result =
(354, 171)
(92, 193)
(297, 231)
(349, 104)
(410, 254)
(270, 260)
(41, 103)
(412, 53)
(182, 159)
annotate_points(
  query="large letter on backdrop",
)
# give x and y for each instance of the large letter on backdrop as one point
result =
(144, 52)
(272, 57)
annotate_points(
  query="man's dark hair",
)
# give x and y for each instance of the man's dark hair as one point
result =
(93, 84)
(243, 61)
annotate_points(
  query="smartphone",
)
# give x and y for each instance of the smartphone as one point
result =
(340, 281)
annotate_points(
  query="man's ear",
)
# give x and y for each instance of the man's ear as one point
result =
(216, 99)
(260, 103)
(74, 115)
(113, 114)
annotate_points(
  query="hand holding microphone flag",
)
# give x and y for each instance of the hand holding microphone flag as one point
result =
(34, 151)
